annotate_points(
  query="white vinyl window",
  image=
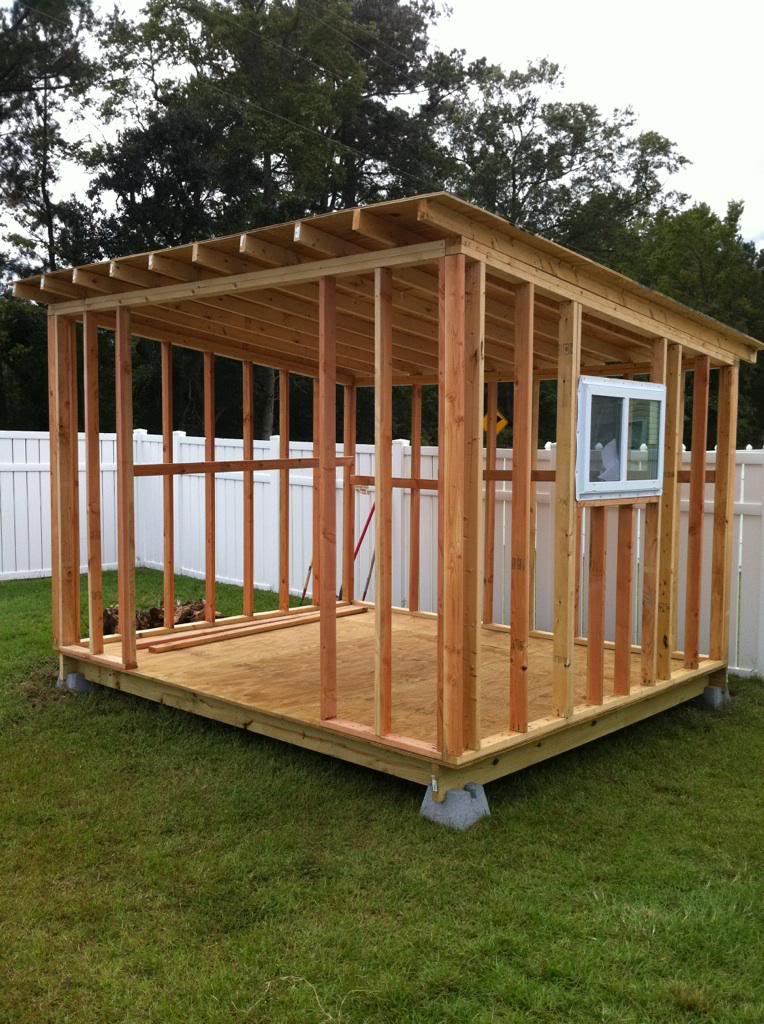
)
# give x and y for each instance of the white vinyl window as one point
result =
(619, 449)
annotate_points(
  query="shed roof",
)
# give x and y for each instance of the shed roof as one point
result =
(254, 294)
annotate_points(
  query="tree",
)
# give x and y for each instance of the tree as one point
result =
(560, 169)
(44, 77)
(703, 260)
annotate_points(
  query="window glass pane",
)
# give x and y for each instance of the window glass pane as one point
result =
(605, 440)
(644, 425)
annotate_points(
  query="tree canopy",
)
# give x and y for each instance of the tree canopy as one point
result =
(201, 117)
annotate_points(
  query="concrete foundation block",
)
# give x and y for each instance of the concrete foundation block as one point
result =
(715, 698)
(75, 682)
(461, 808)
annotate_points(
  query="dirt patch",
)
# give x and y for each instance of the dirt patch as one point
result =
(153, 618)
(39, 690)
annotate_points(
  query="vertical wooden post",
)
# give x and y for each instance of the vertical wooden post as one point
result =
(623, 600)
(532, 527)
(210, 570)
(724, 498)
(93, 482)
(700, 381)
(678, 520)
(383, 496)
(522, 457)
(68, 470)
(568, 369)
(452, 450)
(327, 440)
(669, 511)
(284, 492)
(168, 489)
(248, 512)
(474, 343)
(316, 552)
(125, 495)
(349, 408)
(577, 624)
(55, 526)
(490, 500)
(595, 660)
(416, 496)
(439, 696)
(651, 554)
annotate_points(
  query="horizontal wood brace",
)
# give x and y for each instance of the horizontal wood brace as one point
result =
(227, 466)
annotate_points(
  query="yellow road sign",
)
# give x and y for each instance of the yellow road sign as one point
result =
(501, 422)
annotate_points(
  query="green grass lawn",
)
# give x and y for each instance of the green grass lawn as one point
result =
(159, 868)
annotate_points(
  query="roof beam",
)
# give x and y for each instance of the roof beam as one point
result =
(253, 280)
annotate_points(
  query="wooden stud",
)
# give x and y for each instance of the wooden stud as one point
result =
(522, 443)
(248, 515)
(315, 565)
(695, 517)
(53, 395)
(579, 556)
(490, 500)
(565, 507)
(125, 496)
(284, 492)
(210, 570)
(534, 468)
(651, 551)
(383, 472)
(67, 447)
(452, 449)
(669, 512)
(349, 416)
(623, 600)
(724, 499)
(416, 501)
(93, 482)
(327, 434)
(168, 489)
(474, 343)
(595, 652)
(440, 549)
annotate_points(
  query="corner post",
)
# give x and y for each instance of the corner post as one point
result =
(474, 346)
(461, 349)
(568, 369)
(55, 526)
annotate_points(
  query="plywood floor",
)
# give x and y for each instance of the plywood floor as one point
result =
(278, 672)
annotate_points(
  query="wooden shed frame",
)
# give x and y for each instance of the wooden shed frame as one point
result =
(426, 290)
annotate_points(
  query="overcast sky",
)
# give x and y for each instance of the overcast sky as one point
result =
(691, 69)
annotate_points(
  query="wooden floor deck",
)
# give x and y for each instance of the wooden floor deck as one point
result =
(278, 672)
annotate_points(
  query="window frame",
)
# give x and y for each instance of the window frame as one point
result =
(613, 387)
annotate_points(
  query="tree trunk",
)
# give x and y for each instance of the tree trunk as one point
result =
(265, 391)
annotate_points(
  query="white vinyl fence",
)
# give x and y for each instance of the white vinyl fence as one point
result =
(25, 527)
